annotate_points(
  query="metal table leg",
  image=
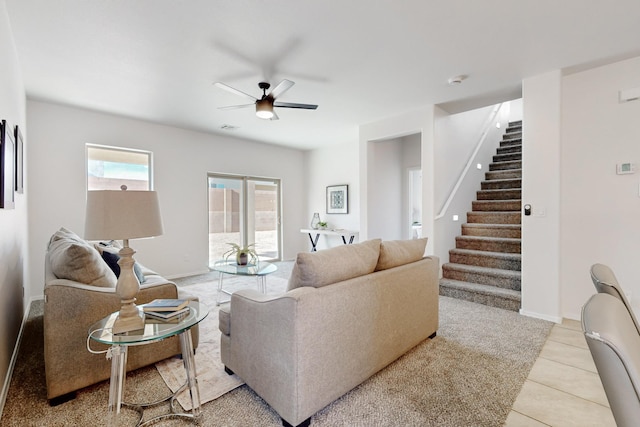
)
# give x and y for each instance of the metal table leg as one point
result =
(314, 242)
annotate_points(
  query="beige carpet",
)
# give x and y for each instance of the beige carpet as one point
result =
(213, 381)
(469, 375)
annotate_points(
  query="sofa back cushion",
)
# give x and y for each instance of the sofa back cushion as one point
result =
(317, 269)
(398, 252)
(75, 259)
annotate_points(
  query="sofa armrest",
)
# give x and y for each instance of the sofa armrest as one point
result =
(264, 343)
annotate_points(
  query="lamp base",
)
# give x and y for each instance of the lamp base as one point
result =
(128, 322)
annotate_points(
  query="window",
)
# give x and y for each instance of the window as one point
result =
(244, 210)
(110, 167)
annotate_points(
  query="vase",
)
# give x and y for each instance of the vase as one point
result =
(315, 220)
(242, 258)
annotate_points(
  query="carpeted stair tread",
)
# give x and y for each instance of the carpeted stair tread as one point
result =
(488, 295)
(501, 184)
(492, 230)
(485, 289)
(503, 174)
(510, 149)
(502, 194)
(511, 141)
(491, 244)
(505, 157)
(494, 217)
(500, 260)
(496, 205)
(514, 164)
(508, 279)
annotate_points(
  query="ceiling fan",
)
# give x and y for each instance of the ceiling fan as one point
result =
(264, 105)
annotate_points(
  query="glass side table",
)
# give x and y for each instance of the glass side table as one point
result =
(259, 270)
(152, 332)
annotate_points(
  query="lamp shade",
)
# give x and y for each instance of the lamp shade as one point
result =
(120, 215)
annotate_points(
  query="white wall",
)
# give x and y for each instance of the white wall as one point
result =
(332, 165)
(182, 160)
(13, 222)
(462, 141)
(600, 210)
(541, 188)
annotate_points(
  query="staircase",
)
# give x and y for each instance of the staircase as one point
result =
(485, 265)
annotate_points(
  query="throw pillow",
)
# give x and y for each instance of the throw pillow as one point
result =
(74, 259)
(333, 265)
(112, 261)
(398, 252)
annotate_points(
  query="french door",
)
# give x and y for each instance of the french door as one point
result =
(244, 210)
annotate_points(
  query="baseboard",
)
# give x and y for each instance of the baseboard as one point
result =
(181, 275)
(14, 356)
(554, 319)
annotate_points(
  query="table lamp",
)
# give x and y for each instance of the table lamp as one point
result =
(124, 215)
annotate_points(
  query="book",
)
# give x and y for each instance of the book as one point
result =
(165, 305)
(167, 315)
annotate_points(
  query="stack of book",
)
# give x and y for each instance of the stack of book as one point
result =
(166, 310)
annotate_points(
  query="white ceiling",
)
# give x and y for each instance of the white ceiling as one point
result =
(360, 60)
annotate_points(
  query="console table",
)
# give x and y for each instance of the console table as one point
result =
(336, 232)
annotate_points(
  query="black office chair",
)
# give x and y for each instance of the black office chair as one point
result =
(605, 282)
(614, 343)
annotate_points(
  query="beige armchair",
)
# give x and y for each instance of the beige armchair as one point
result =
(70, 308)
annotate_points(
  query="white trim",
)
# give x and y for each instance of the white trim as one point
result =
(554, 319)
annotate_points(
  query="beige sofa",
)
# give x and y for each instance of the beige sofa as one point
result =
(79, 290)
(349, 312)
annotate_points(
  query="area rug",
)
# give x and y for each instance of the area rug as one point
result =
(213, 381)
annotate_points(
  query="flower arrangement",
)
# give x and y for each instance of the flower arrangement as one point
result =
(244, 254)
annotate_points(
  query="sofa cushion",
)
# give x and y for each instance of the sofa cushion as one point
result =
(110, 253)
(112, 258)
(333, 265)
(398, 252)
(75, 259)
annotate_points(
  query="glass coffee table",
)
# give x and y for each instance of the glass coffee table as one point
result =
(259, 270)
(101, 332)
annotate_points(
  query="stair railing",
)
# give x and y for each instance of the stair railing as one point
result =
(472, 157)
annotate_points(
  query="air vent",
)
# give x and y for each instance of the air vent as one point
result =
(228, 127)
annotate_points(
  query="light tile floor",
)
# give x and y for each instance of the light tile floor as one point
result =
(563, 387)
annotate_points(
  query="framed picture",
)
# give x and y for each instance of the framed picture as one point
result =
(7, 166)
(19, 168)
(338, 199)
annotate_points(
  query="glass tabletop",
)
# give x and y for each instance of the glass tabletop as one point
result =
(259, 269)
(153, 330)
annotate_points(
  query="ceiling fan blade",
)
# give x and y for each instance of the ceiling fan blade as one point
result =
(275, 116)
(234, 90)
(282, 87)
(235, 107)
(294, 105)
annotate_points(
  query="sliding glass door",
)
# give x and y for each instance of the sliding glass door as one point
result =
(244, 210)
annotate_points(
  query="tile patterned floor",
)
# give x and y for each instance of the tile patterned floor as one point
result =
(563, 387)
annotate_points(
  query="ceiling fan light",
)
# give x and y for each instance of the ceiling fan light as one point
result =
(264, 109)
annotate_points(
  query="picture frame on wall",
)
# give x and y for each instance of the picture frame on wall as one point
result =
(19, 167)
(337, 199)
(7, 166)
